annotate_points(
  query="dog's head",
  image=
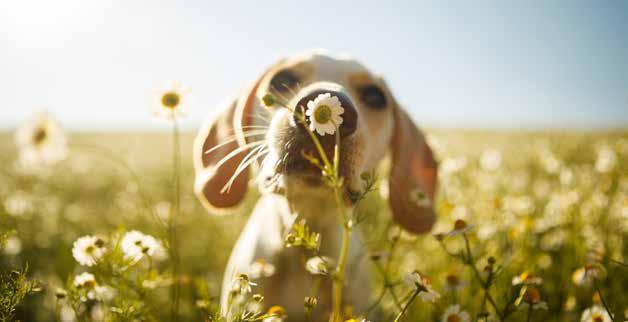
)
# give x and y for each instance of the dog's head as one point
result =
(373, 124)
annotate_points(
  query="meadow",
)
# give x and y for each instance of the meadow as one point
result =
(532, 227)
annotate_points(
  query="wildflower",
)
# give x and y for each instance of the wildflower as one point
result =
(324, 112)
(595, 314)
(12, 246)
(85, 280)
(490, 160)
(41, 141)
(423, 285)
(269, 100)
(453, 282)
(532, 297)
(87, 250)
(317, 265)
(242, 284)
(570, 303)
(526, 278)
(171, 101)
(257, 305)
(460, 227)
(275, 314)
(60, 294)
(455, 314)
(606, 160)
(101, 293)
(261, 268)
(135, 244)
(310, 303)
(585, 275)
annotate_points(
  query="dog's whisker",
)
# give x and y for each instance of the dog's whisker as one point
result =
(255, 127)
(259, 117)
(249, 155)
(234, 138)
(294, 94)
(236, 152)
(243, 165)
(284, 99)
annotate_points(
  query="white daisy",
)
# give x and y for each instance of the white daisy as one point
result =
(585, 275)
(422, 284)
(324, 113)
(85, 280)
(87, 250)
(242, 284)
(261, 268)
(135, 244)
(455, 314)
(171, 101)
(460, 227)
(453, 282)
(41, 141)
(317, 265)
(595, 314)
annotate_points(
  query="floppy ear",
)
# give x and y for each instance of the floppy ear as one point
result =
(412, 181)
(221, 136)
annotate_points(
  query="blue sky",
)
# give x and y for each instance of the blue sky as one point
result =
(468, 64)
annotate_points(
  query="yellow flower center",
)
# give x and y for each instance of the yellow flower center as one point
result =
(170, 100)
(322, 114)
(454, 318)
(460, 224)
(277, 311)
(89, 249)
(39, 136)
(597, 318)
(452, 280)
(532, 296)
(524, 276)
(89, 284)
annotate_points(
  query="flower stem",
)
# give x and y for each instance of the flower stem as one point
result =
(174, 214)
(405, 308)
(597, 288)
(529, 313)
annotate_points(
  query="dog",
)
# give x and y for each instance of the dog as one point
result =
(245, 130)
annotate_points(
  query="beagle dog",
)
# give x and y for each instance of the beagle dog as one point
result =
(246, 134)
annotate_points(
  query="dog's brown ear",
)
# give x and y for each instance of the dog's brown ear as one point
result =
(412, 182)
(218, 140)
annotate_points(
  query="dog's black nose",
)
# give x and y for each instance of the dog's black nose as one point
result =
(349, 116)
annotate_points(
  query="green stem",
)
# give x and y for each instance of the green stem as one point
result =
(405, 308)
(173, 223)
(470, 261)
(597, 287)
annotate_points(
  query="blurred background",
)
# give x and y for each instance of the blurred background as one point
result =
(485, 64)
(525, 106)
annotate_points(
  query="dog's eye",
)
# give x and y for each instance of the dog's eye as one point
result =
(373, 97)
(284, 81)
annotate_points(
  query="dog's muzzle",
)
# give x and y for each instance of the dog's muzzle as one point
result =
(302, 142)
(295, 141)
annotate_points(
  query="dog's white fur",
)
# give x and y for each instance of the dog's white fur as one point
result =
(289, 196)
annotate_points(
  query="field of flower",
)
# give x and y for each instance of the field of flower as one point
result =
(532, 227)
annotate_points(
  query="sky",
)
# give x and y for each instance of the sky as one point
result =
(470, 64)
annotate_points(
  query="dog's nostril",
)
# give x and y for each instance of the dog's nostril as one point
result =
(349, 116)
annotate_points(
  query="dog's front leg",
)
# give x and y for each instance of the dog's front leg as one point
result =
(261, 239)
